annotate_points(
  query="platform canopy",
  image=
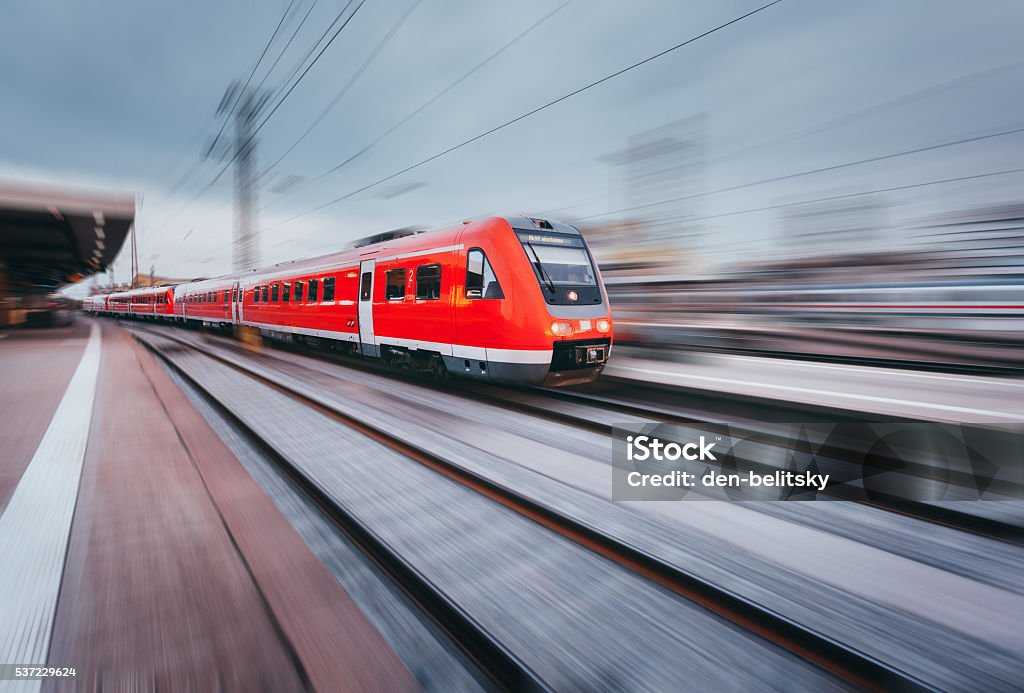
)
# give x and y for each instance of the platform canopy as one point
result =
(51, 236)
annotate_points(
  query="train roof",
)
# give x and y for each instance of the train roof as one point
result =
(368, 247)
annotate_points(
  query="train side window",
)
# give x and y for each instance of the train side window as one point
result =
(366, 286)
(314, 287)
(286, 292)
(274, 292)
(480, 279)
(266, 294)
(256, 295)
(297, 294)
(428, 282)
(328, 289)
(394, 284)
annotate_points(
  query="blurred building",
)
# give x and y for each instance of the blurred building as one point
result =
(983, 241)
(657, 180)
(852, 225)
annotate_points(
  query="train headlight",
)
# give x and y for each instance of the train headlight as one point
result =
(604, 325)
(573, 296)
(561, 328)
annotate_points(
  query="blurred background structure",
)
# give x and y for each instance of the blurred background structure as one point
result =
(53, 238)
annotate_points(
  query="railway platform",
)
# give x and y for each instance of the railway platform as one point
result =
(869, 390)
(137, 549)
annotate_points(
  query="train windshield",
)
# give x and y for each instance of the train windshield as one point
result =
(559, 259)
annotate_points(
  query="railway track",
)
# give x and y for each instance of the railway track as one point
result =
(549, 404)
(503, 668)
(725, 410)
(539, 403)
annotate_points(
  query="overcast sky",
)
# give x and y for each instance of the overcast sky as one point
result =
(122, 95)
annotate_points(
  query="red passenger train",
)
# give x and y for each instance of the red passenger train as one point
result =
(513, 300)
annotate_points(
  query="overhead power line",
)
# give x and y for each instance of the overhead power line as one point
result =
(532, 112)
(823, 169)
(238, 94)
(312, 49)
(241, 147)
(832, 198)
(287, 93)
(348, 85)
(287, 45)
(419, 109)
(860, 114)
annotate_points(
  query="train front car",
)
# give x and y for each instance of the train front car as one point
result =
(552, 325)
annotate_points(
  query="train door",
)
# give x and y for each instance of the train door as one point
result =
(367, 343)
(480, 313)
(236, 303)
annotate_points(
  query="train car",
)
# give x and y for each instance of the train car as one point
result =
(152, 302)
(119, 303)
(512, 300)
(205, 302)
